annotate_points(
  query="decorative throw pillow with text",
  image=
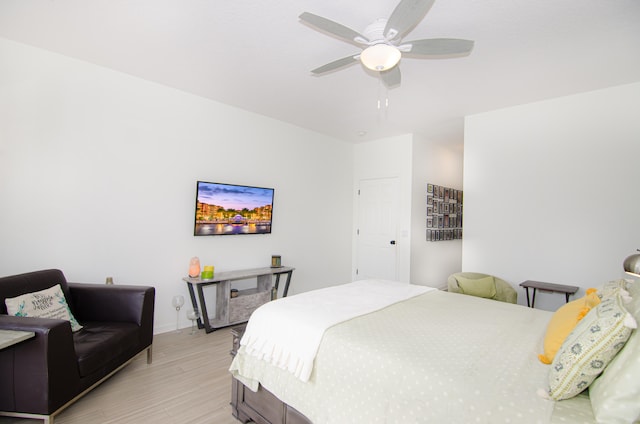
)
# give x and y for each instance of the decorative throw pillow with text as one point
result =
(48, 303)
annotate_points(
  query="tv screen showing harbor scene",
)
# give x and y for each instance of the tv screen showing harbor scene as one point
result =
(225, 209)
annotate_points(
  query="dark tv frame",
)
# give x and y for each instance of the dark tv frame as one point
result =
(244, 221)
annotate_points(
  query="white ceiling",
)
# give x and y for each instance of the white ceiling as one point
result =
(257, 55)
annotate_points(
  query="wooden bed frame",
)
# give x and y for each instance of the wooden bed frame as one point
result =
(261, 407)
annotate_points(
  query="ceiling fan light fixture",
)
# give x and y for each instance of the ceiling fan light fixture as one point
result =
(380, 57)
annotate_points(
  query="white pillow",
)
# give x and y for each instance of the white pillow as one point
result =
(615, 395)
(48, 303)
(612, 287)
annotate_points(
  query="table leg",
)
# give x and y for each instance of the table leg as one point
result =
(194, 303)
(286, 286)
(276, 287)
(566, 297)
(533, 301)
(526, 289)
(203, 313)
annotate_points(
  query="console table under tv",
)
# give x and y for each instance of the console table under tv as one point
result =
(236, 310)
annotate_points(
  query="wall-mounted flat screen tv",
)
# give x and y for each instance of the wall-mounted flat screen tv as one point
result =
(226, 209)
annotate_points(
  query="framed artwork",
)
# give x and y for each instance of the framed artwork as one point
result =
(444, 213)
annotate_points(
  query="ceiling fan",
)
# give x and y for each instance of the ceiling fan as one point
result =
(381, 41)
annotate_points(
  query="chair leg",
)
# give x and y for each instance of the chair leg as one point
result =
(149, 354)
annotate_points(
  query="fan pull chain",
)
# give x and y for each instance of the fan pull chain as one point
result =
(386, 103)
(383, 105)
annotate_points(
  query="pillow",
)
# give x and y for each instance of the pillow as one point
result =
(481, 287)
(563, 321)
(610, 288)
(614, 395)
(48, 303)
(588, 349)
(634, 292)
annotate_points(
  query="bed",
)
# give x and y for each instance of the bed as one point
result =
(430, 357)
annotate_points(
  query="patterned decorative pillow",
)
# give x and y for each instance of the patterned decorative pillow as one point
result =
(563, 321)
(593, 343)
(48, 303)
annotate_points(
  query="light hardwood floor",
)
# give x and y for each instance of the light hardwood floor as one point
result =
(188, 382)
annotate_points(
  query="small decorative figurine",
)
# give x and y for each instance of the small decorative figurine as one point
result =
(194, 267)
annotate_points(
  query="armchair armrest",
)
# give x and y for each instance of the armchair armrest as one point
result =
(40, 374)
(115, 303)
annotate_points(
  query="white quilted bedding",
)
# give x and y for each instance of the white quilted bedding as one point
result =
(436, 358)
(287, 332)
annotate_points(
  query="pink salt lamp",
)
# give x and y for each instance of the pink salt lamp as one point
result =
(194, 267)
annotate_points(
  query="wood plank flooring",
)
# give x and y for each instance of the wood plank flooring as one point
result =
(187, 383)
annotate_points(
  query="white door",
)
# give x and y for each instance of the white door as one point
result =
(377, 229)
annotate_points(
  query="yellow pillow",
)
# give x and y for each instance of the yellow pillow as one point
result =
(564, 321)
(481, 287)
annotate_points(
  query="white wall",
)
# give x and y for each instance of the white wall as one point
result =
(441, 164)
(387, 158)
(551, 190)
(414, 161)
(98, 172)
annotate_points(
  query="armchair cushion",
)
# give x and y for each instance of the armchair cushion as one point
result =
(47, 303)
(98, 343)
(481, 287)
(504, 291)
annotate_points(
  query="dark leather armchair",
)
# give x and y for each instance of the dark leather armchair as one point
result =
(41, 376)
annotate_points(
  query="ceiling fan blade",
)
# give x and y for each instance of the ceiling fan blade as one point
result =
(437, 47)
(405, 17)
(336, 64)
(326, 25)
(391, 78)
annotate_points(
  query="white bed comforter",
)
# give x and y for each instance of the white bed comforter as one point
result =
(287, 332)
(434, 358)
